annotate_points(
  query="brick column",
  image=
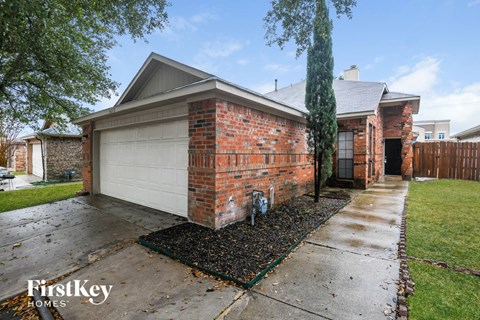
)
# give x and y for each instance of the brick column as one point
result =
(87, 157)
(407, 138)
(201, 162)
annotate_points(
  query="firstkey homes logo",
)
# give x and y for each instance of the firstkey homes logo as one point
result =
(94, 294)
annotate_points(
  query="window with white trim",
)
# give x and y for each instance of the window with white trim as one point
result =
(441, 135)
(345, 155)
(428, 135)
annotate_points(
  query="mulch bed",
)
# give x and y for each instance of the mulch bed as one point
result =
(241, 251)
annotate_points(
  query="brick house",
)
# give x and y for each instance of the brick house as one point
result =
(53, 150)
(374, 130)
(186, 142)
(17, 155)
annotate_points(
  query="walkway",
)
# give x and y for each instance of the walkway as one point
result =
(347, 269)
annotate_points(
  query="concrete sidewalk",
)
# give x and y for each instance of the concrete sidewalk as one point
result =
(347, 269)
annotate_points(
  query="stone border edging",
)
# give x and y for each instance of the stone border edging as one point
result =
(406, 284)
(445, 265)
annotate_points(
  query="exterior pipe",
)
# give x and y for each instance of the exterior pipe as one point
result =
(253, 203)
(272, 197)
(43, 311)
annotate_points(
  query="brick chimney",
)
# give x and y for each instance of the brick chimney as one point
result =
(352, 74)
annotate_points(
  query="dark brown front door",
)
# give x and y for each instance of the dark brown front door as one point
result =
(393, 156)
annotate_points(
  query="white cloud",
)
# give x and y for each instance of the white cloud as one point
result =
(243, 62)
(460, 103)
(178, 24)
(461, 106)
(277, 68)
(220, 49)
(419, 80)
(202, 18)
(376, 61)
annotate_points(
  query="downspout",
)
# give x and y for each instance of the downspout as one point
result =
(43, 157)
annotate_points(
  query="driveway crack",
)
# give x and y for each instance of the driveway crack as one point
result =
(347, 251)
(294, 306)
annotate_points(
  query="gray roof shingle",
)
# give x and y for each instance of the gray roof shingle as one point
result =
(351, 96)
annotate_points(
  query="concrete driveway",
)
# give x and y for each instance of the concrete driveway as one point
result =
(47, 241)
(347, 269)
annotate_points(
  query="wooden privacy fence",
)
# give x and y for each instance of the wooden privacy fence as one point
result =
(447, 160)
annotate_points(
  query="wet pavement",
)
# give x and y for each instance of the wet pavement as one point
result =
(347, 269)
(21, 181)
(147, 285)
(50, 240)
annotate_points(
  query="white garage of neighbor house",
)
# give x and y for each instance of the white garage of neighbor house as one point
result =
(53, 150)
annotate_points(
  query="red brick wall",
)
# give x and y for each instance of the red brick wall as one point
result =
(398, 123)
(407, 139)
(201, 166)
(392, 121)
(360, 138)
(243, 149)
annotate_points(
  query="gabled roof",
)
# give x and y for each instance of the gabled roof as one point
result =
(466, 133)
(69, 131)
(189, 82)
(148, 69)
(161, 81)
(352, 97)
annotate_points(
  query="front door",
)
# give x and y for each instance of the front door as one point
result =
(393, 156)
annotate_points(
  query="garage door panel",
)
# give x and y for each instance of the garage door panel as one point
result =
(147, 165)
(181, 178)
(37, 167)
(181, 157)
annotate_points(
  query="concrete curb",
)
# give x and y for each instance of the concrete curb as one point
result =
(406, 284)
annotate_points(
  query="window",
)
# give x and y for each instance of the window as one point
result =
(428, 135)
(441, 135)
(345, 155)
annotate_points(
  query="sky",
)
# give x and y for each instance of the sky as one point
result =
(424, 47)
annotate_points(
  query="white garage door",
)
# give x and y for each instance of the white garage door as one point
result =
(37, 167)
(147, 164)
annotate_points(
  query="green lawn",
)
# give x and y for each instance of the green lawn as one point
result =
(11, 200)
(443, 294)
(443, 223)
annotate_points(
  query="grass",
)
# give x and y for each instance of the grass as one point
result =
(18, 199)
(52, 182)
(18, 173)
(443, 223)
(443, 294)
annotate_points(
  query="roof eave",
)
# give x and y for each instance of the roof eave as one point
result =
(186, 92)
(467, 132)
(353, 115)
(415, 100)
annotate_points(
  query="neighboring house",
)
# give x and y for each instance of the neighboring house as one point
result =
(433, 130)
(469, 135)
(54, 150)
(186, 142)
(17, 155)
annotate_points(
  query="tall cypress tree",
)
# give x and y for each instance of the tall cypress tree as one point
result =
(320, 98)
